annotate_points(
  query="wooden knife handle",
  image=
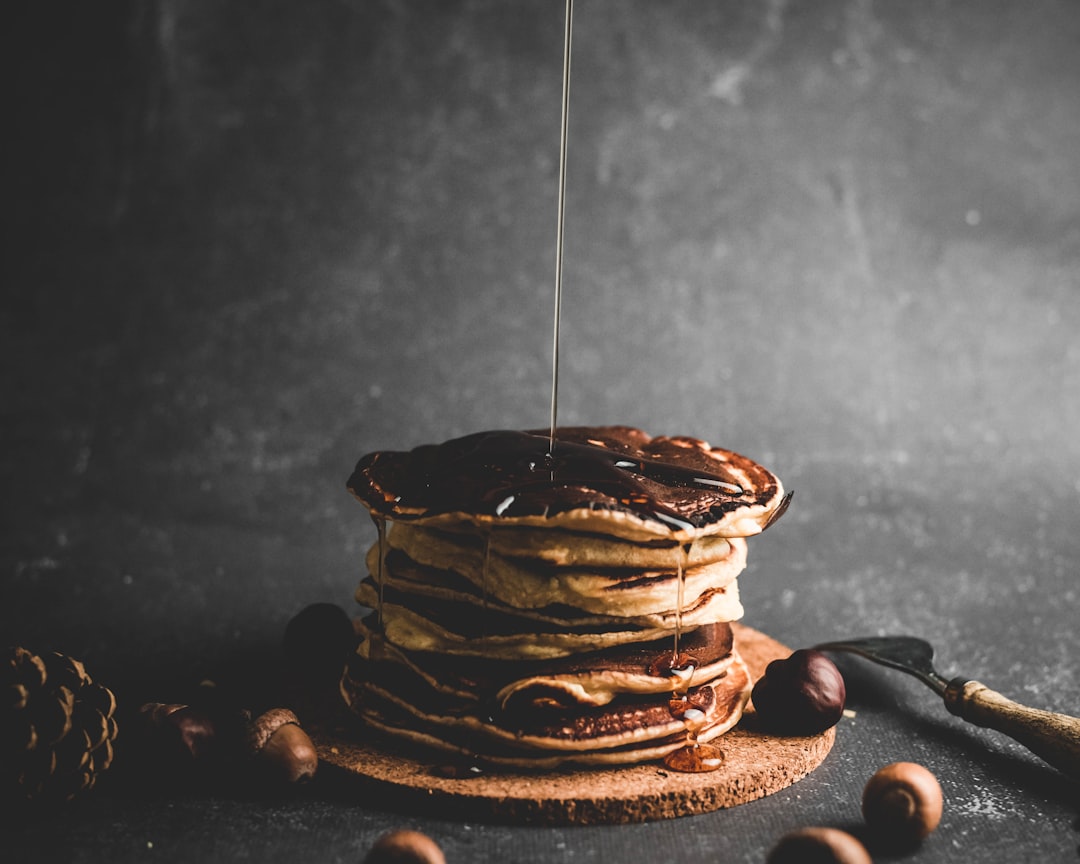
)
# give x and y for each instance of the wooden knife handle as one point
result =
(1053, 737)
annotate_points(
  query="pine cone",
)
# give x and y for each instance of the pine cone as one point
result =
(56, 727)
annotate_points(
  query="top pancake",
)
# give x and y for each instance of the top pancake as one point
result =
(608, 480)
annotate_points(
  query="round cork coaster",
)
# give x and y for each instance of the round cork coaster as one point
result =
(755, 765)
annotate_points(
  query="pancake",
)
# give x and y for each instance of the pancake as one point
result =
(612, 480)
(526, 584)
(534, 609)
(462, 604)
(578, 549)
(623, 730)
(593, 678)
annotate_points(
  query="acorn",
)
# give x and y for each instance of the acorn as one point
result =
(280, 749)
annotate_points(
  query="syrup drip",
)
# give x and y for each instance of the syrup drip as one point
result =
(693, 756)
(484, 576)
(380, 528)
(683, 559)
(678, 666)
(695, 759)
(377, 645)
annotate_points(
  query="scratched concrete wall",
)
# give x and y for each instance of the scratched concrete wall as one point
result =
(262, 239)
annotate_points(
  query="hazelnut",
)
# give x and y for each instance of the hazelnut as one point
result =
(800, 695)
(901, 803)
(282, 750)
(405, 847)
(180, 734)
(818, 845)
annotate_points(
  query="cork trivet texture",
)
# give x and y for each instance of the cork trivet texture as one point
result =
(755, 765)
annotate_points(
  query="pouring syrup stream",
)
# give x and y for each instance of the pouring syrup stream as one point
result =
(691, 757)
(560, 221)
(577, 462)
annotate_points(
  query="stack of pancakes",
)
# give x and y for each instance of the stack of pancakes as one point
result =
(541, 601)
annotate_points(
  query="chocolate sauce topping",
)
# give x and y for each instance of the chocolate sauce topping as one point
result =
(507, 474)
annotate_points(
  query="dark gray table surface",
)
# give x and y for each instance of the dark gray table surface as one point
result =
(250, 242)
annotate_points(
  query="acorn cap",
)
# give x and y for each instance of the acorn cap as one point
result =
(265, 725)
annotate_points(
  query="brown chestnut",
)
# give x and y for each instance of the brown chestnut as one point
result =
(317, 642)
(817, 845)
(800, 695)
(178, 735)
(405, 847)
(902, 803)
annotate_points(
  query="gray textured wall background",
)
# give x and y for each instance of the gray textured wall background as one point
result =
(258, 240)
